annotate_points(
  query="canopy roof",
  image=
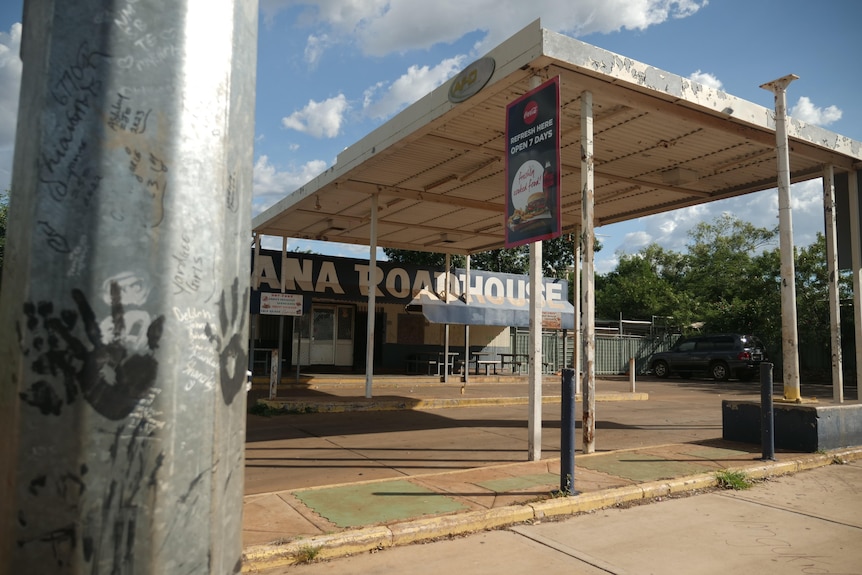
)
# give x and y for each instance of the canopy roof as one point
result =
(661, 141)
(480, 310)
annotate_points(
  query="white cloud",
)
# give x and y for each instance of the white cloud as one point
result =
(314, 48)
(706, 79)
(381, 27)
(418, 81)
(670, 230)
(319, 119)
(270, 184)
(10, 85)
(806, 111)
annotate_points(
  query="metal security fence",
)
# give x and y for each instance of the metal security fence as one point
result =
(612, 351)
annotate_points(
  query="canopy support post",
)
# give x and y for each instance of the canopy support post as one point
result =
(789, 338)
(589, 281)
(372, 298)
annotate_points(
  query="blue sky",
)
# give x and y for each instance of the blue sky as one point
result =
(330, 71)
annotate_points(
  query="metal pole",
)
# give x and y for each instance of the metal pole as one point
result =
(273, 390)
(789, 339)
(297, 330)
(588, 296)
(123, 332)
(372, 299)
(767, 420)
(534, 423)
(567, 433)
(832, 279)
(447, 278)
(255, 284)
(467, 328)
(856, 264)
(576, 302)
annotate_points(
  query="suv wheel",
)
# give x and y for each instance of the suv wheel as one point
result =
(660, 369)
(719, 371)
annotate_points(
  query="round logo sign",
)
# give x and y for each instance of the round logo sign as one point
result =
(472, 79)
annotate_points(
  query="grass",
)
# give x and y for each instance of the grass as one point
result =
(736, 480)
(263, 410)
(267, 411)
(306, 554)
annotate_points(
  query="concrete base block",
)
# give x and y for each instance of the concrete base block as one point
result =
(798, 427)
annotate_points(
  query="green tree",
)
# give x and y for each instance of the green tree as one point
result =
(812, 294)
(422, 259)
(720, 261)
(638, 287)
(557, 256)
(725, 281)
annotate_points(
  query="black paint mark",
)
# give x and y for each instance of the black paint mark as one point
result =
(110, 377)
(233, 358)
(42, 396)
(36, 484)
(55, 240)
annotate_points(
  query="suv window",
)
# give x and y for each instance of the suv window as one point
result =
(686, 346)
(724, 343)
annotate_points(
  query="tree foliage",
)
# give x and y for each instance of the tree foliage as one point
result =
(557, 256)
(727, 280)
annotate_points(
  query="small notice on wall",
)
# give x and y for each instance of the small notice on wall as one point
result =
(552, 320)
(280, 304)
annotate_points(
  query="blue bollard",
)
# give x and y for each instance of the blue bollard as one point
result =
(567, 434)
(767, 420)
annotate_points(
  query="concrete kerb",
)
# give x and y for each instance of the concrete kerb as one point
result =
(427, 529)
(326, 406)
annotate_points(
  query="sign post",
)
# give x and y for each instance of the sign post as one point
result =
(280, 304)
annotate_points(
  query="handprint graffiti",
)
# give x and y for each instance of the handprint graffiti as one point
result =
(113, 366)
(233, 357)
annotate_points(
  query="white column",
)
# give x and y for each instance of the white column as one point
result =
(534, 425)
(372, 298)
(576, 296)
(789, 339)
(856, 263)
(832, 280)
(588, 296)
(446, 291)
(466, 327)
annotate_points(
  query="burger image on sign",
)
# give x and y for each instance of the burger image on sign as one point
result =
(528, 198)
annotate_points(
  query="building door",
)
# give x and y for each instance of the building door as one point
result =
(325, 336)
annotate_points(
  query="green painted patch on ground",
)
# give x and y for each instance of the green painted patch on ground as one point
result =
(718, 453)
(510, 484)
(370, 503)
(639, 466)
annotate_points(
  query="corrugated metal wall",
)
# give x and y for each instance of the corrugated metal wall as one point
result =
(612, 352)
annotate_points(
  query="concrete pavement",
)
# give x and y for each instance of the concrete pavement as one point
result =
(808, 522)
(329, 482)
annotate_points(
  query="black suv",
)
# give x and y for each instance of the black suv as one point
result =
(720, 355)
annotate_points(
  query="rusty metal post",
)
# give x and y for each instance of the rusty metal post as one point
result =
(789, 338)
(589, 284)
(123, 319)
(832, 277)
